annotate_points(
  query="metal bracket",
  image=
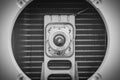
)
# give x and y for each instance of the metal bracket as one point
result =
(76, 74)
(97, 3)
(60, 22)
(97, 76)
(42, 72)
(21, 77)
(21, 3)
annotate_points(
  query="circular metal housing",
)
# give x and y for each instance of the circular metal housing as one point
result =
(110, 32)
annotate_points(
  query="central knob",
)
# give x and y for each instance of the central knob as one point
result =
(59, 40)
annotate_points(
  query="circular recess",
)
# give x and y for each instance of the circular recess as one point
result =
(59, 77)
(59, 65)
(59, 40)
(28, 36)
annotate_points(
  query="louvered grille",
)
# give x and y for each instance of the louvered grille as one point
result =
(90, 43)
(28, 41)
(28, 37)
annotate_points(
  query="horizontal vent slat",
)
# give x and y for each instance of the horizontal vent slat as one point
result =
(32, 56)
(89, 26)
(32, 19)
(32, 59)
(90, 32)
(28, 64)
(30, 24)
(32, 35)
(89, 45)
(34, 32)
(92, 38)
(32, 72)
(92, 61)
(33, 67)
(87, 69)
(89, 29)
(88, 58)
(31, 29)
(34, 75)
(90, 42)
(32, 62)
(32, 45)
(32, 40)
(88, 64)
(32, 49)
(87, 21)
(32, 53)
(85, 74)
(89, 53)
(27, 51)
(83, 78)
(90, 48)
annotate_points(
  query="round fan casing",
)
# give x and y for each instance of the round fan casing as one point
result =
(109, 10)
